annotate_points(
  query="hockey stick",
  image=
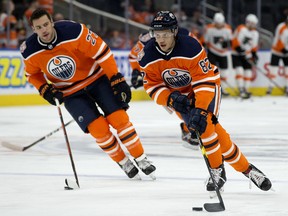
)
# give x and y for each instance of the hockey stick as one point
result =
(211, 207)
(69, 187)
(263, 73)
(19, 148)
(237, 93)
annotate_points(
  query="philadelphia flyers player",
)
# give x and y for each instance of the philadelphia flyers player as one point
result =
(279, 52)
(177, 71)
(244, 53)
(217, 38)
(137, 81)
(67, 61)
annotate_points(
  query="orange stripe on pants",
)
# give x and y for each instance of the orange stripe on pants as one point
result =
(230, 151)
(126, 132)
(99, 129)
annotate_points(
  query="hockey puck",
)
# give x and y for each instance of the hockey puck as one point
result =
(68, 188)
(197, 209)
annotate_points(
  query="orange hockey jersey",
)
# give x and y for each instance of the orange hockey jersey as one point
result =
(133, 55)
(186, 69)
(72, 61)
(280, 40)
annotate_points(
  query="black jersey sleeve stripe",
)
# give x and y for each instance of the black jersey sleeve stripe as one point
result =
(203, 83)
(103, 53)
(155, 90)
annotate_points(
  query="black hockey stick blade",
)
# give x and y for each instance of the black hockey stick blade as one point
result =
(211, 207)
(71, 184)
(214, 207)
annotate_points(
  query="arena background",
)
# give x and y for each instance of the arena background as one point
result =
(15, 90)
(105, 19)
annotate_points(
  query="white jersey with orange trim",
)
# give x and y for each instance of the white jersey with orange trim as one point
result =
(215, 38)
(246, 39)
(73, 60)
(186, 68)
(280, 40)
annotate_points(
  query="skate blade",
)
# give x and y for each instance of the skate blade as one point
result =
(136, 177)
(152, 176)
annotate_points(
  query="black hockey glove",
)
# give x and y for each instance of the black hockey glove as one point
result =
(254, 58)
(197, 121)
(137, 79)
(121, 90)
(225, 44)
(240, 50)
(49, 93)
(181, 103)
(284, 51)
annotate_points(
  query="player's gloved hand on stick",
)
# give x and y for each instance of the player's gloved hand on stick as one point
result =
(254, 58)
(137, 79)
(284, 51)
(49, 93)
(121, 89)
(181, 103)
(197, 121)
(240, 50)
(225, 44)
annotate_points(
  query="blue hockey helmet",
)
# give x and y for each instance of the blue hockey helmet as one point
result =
(164, 20)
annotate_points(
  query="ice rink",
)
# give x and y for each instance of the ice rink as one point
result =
(32, 182)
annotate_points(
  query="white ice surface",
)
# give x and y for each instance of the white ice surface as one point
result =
(32, 182)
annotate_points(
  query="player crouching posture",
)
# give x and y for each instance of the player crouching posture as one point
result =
(67, 61)
(178, 73)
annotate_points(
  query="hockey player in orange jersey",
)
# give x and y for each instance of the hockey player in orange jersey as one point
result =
(67, 61)
(244, 53)
(177, 73)
(279, 51)
(137, 81)
(217, 38)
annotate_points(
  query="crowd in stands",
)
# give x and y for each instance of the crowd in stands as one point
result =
(14, 18)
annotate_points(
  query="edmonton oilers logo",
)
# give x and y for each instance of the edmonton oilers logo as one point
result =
(61, 67)
(176, 78)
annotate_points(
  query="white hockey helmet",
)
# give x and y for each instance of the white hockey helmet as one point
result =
(251, 18)
(219, 18)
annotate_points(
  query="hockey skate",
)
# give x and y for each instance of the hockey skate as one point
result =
(224, 93)
(129, 168)
(245, 95)
(269, 91)
(146, 166)
(189, 141)
(258, 178)
(219, 176)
